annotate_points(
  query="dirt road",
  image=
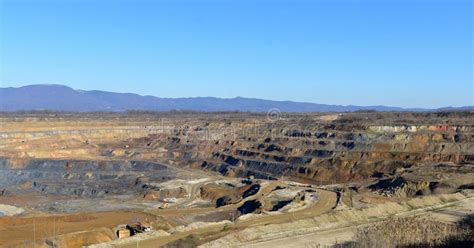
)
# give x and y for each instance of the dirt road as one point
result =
(450, 212)
(325, 204)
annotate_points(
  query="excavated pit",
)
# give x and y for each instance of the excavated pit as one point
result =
(306, 148)
(185, 167)
(89, 179)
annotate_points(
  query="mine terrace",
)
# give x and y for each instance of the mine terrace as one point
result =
(214, 179)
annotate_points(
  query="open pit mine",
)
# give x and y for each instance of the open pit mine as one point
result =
(177, 179)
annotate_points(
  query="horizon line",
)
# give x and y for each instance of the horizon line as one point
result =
(237, 97)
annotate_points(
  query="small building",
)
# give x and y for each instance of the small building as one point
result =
(123, 231)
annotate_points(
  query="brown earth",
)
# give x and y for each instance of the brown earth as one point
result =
(86, 172)
(21, 230)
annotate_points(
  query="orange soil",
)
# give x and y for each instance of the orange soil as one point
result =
(18, 230)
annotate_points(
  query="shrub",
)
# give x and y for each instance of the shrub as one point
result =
(414, 231)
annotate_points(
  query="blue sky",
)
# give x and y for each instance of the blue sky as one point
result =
(409, 53)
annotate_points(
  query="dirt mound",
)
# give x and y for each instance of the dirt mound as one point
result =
(222, 194)
(279, 198)
(401, 187)
(295, 198)
(154, 194)
(81, 239)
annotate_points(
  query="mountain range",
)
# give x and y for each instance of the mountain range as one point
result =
(63, 98)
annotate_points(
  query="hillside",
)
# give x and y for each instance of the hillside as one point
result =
(63, 98)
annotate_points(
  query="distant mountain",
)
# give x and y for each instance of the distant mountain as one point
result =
(63, 98)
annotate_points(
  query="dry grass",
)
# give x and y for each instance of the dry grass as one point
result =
(414, 231)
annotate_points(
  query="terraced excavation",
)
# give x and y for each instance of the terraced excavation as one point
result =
(182, 179)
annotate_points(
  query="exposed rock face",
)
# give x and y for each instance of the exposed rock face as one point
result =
(280, 197)
(351, 147)
(162, 194)
(224, 193)
(252, 206)
(400, 187)
(251, 191)
(112, 162)
(344, 150)
(82, 178)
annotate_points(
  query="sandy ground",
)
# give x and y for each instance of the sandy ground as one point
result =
(77, 139)
(8, 210)
(323, 238)
(327, 238)
(17, 230)
(327, 202)
(37, 226)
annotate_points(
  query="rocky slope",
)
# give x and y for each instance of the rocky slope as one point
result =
(311, 148)
(177, 169)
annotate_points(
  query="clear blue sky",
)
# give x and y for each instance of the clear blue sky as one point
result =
(409, 53)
